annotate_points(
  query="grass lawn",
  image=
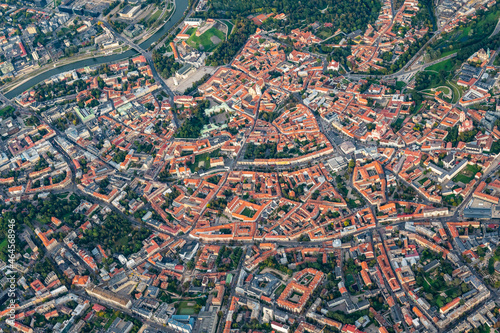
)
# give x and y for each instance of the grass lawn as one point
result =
(248, 212)
(155, 16)
(452, 200)
(279, 290)
(447, 53)
(111, 320)
(446, 90)
(349, 280)
(198, 159)
(435, 82)
(190, 31)
(230, 26)
(205, 158)
(457, 91)
(462, 178)
(165, 15)
(6, 111)
(417, 109)
(185, 309)
(202, 158)
(204, 40)
(3, 244)
(400, 85)
(447, 65)
(398, 124)
(324, 35)
(352, 203)
(423, 180)
(464, 35)
(467, 174)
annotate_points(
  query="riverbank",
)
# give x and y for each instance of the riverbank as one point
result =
(65, 61)
(150, 34)
(34, 79)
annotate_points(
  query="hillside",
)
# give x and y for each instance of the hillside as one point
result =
(346, 15)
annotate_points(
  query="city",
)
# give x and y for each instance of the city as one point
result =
(221, 166)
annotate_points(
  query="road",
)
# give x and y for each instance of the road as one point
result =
(327, 130)
(232, 292)
(494, 167)
(76, 190)
(148, 55)
(376, 43)
(152, 324)
(157, 77)
(323, 127)
(401, 72)
(232, 166)
(404, 71)
(497, 29)
(149, 58)
(381, 232)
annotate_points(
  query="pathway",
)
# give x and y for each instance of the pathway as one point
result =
(497, 29)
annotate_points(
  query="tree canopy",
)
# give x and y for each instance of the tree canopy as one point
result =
(346, 15)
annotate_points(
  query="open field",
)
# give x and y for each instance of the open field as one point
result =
(186, 308)
(467, 174)
(155, 16)
(446, 65)
(208, 40)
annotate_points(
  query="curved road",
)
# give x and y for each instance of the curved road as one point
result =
(403, 71)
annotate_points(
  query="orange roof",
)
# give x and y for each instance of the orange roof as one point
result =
(56, 221)
(450, 305)
(15, 188)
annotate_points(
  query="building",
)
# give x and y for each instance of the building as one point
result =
(347, 147)
(188, 251)
(108, 296)
(120, 326)
(133, 30)
(430, 266)
(337, 163)
(184, 72)
(453, 304)
(207, 321)
(217, 300)
(298, 292)
(181, 323)
(85, 114)
(19, 327)
(195, 22)
(282, 328)
(263, 285)
(129, 11)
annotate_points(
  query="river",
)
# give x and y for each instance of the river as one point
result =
(181, 6)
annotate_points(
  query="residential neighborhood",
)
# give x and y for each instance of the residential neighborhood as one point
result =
(278, 170)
